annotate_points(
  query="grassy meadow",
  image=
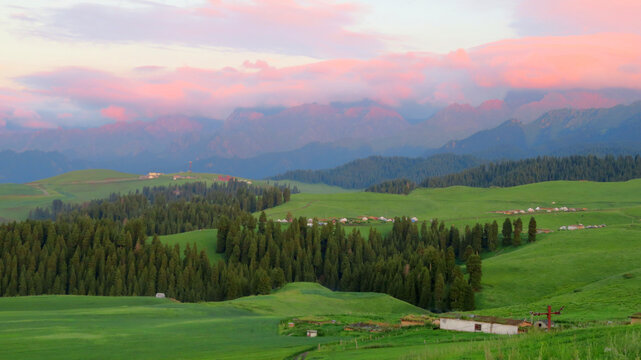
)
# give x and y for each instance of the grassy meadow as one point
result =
(594, 273)
(77, 327)
(16, 200)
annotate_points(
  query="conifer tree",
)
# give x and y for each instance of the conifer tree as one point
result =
(507, 232)
(493, 236)
(531, 231)
(518, 229)
(473, 266)
(439, 292)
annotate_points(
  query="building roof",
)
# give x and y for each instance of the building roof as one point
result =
(488, 319)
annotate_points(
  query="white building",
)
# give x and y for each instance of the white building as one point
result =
(484, 324)
(160, 295)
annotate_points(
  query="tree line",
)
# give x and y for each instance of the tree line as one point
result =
(520, 172)
(398, 186)
(80, 255)
(361, 173)
(175, 209)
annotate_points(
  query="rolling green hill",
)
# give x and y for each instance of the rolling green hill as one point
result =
(77, 186)
(76, 327)
(595, 273)
(609, 203)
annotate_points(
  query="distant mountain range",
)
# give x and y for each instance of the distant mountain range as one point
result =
(262, 142)
(615, 130)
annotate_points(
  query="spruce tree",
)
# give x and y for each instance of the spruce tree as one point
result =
(518, 229)
(473, 267)
(493, 236)
(531, 231)
(507, 232)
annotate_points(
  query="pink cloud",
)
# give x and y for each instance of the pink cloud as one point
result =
(64, 116)
(38, 124)
(312, 28)
(574, 62)
(115, 113)
(574, 17)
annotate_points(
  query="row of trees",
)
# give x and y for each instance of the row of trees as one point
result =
(398, 186)
(513, 173)
(80, 255)
(175, 209)
(362, 173)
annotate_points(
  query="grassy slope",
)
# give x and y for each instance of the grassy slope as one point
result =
(18, 190)
(466, 205)
(74, 327)
(581, 270)
(77, 186)
(204, 239)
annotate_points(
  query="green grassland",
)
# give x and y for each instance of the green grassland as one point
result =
(18, 190)
(583, 270)
(77, 186)
(204, 239)
(594, 273)
(610, 203)
(75, 327)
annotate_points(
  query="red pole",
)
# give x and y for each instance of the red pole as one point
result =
(549, 317)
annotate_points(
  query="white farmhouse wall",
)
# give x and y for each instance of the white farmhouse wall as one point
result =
(469, 326)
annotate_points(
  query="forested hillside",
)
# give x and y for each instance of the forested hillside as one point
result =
(101, 248)
(513, 173)
(362, 173)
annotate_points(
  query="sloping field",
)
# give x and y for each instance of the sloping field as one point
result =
(87, 176)
(18, 190)
(75, 327)
(464, 205)
(17, 200)
(204, 239)
(595, 274)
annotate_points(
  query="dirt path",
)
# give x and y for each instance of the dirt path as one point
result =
(39, 187)
(302, 356)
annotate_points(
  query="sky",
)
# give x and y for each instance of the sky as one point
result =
(83, 63)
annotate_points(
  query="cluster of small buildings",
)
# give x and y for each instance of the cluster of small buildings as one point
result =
(581, 227)
(227, 178)
(181, 177)
(151, 175)
(539, 209)
(359, 220)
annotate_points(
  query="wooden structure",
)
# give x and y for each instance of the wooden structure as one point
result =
(635, 318)
(549, 314)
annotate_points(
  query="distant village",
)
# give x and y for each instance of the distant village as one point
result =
(348, 221)
(223, 178)
(539, 210)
